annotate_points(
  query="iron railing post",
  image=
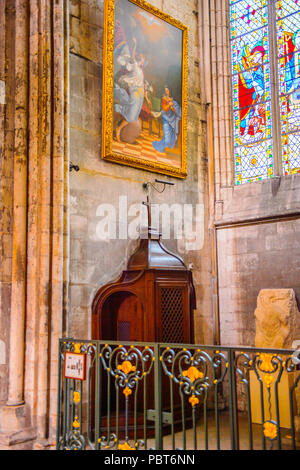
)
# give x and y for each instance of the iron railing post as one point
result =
(58, 416)
(158, 398)
(234, 427)
(97, 397)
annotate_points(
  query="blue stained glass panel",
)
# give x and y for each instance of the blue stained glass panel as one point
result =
(248, 15)
(290, 151)
(286, 7)
(288, 44)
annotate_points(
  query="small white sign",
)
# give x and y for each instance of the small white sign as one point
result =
(75, 366)
(2, 352)
(2, 92)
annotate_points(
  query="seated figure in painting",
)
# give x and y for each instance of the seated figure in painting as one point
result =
(171, 116)
(145, 114)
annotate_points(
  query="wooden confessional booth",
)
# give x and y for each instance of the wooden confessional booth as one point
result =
(152, 301)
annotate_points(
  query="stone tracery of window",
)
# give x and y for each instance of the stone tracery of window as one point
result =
(265, 46)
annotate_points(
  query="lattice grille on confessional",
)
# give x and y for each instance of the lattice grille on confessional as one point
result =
(172, 315)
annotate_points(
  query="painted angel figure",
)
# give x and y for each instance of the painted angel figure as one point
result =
(129, 84)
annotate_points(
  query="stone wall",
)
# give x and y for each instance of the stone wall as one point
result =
(94, 263)
(263, 253)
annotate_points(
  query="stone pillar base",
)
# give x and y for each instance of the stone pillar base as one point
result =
(16, 431)
(22, 440)
(44, 444)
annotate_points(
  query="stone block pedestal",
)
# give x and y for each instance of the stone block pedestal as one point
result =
(15, 428)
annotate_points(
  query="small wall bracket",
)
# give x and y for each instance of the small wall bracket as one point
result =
(147, 184)
(73, 167)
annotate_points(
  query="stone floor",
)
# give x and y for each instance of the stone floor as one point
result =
(225, 442)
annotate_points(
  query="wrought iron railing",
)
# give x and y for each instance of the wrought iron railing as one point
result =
(172, 396)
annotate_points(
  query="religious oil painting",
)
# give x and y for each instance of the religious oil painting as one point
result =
(144, 110)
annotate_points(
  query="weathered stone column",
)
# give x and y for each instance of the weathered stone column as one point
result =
(7, 71)
(40, 252)
(214, 46)
(58, 175)
(48, 202)
(33, 230)
(206, 14)
(18, 293)
(15, 419)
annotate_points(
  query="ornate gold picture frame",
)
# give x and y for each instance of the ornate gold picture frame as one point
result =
(144, 100)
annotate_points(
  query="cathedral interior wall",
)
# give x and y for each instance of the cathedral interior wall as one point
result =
(95, 262)
(258, 248)
(249, 234)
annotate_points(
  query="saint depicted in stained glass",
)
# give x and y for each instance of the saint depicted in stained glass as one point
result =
(291, 44)
(251, 92)
(251, 88)
(288, 42)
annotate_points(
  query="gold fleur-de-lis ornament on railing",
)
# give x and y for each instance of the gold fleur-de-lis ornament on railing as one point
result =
(76, 397)
(266, 362)
(76, 423)
(126, 367)
(270, 430)
(125, 446)
(193, 374)
(77, 348)
(193, 400)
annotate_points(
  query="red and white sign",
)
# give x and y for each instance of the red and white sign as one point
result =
(75, 365)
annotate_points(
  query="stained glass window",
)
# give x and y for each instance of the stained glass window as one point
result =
(260, 107)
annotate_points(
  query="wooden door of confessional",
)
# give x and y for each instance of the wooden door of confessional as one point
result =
(122, 318)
